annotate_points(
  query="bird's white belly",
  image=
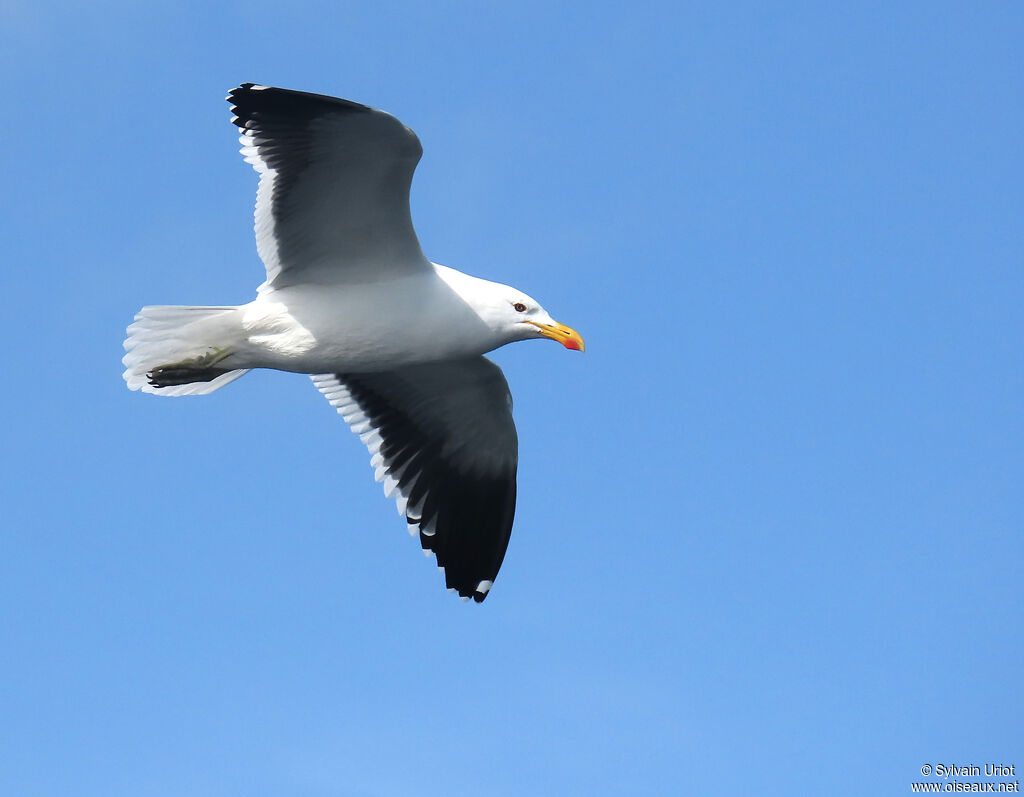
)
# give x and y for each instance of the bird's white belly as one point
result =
(370, 327)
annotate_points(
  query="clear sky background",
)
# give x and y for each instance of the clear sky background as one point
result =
(769, 537)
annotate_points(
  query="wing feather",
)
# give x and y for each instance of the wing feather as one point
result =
(442, 439)
(333, 199)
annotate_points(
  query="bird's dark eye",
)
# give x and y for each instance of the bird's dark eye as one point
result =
(519, 307)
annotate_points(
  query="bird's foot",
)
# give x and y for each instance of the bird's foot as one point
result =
(195, 369)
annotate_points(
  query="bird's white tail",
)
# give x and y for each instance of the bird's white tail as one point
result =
(173, 350)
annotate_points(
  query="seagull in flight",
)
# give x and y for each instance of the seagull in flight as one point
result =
(393, 341)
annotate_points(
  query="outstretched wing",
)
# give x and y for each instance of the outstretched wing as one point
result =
(442, 439)
(333, 199)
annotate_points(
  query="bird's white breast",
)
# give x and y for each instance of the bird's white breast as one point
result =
(363, 327)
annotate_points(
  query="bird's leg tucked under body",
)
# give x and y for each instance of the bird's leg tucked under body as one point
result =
(194, 369)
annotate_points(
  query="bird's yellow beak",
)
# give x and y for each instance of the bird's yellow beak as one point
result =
(567, 336)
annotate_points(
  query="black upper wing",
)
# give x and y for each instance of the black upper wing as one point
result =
(333, 200)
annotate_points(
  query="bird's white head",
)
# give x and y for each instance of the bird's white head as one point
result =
(523, 318)
(509, 313)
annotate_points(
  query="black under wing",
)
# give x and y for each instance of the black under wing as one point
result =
(471, 513)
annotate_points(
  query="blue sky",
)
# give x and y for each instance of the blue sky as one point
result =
(769, 537)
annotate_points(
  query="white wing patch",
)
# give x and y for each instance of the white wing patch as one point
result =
(341, 399)
(266, 243)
